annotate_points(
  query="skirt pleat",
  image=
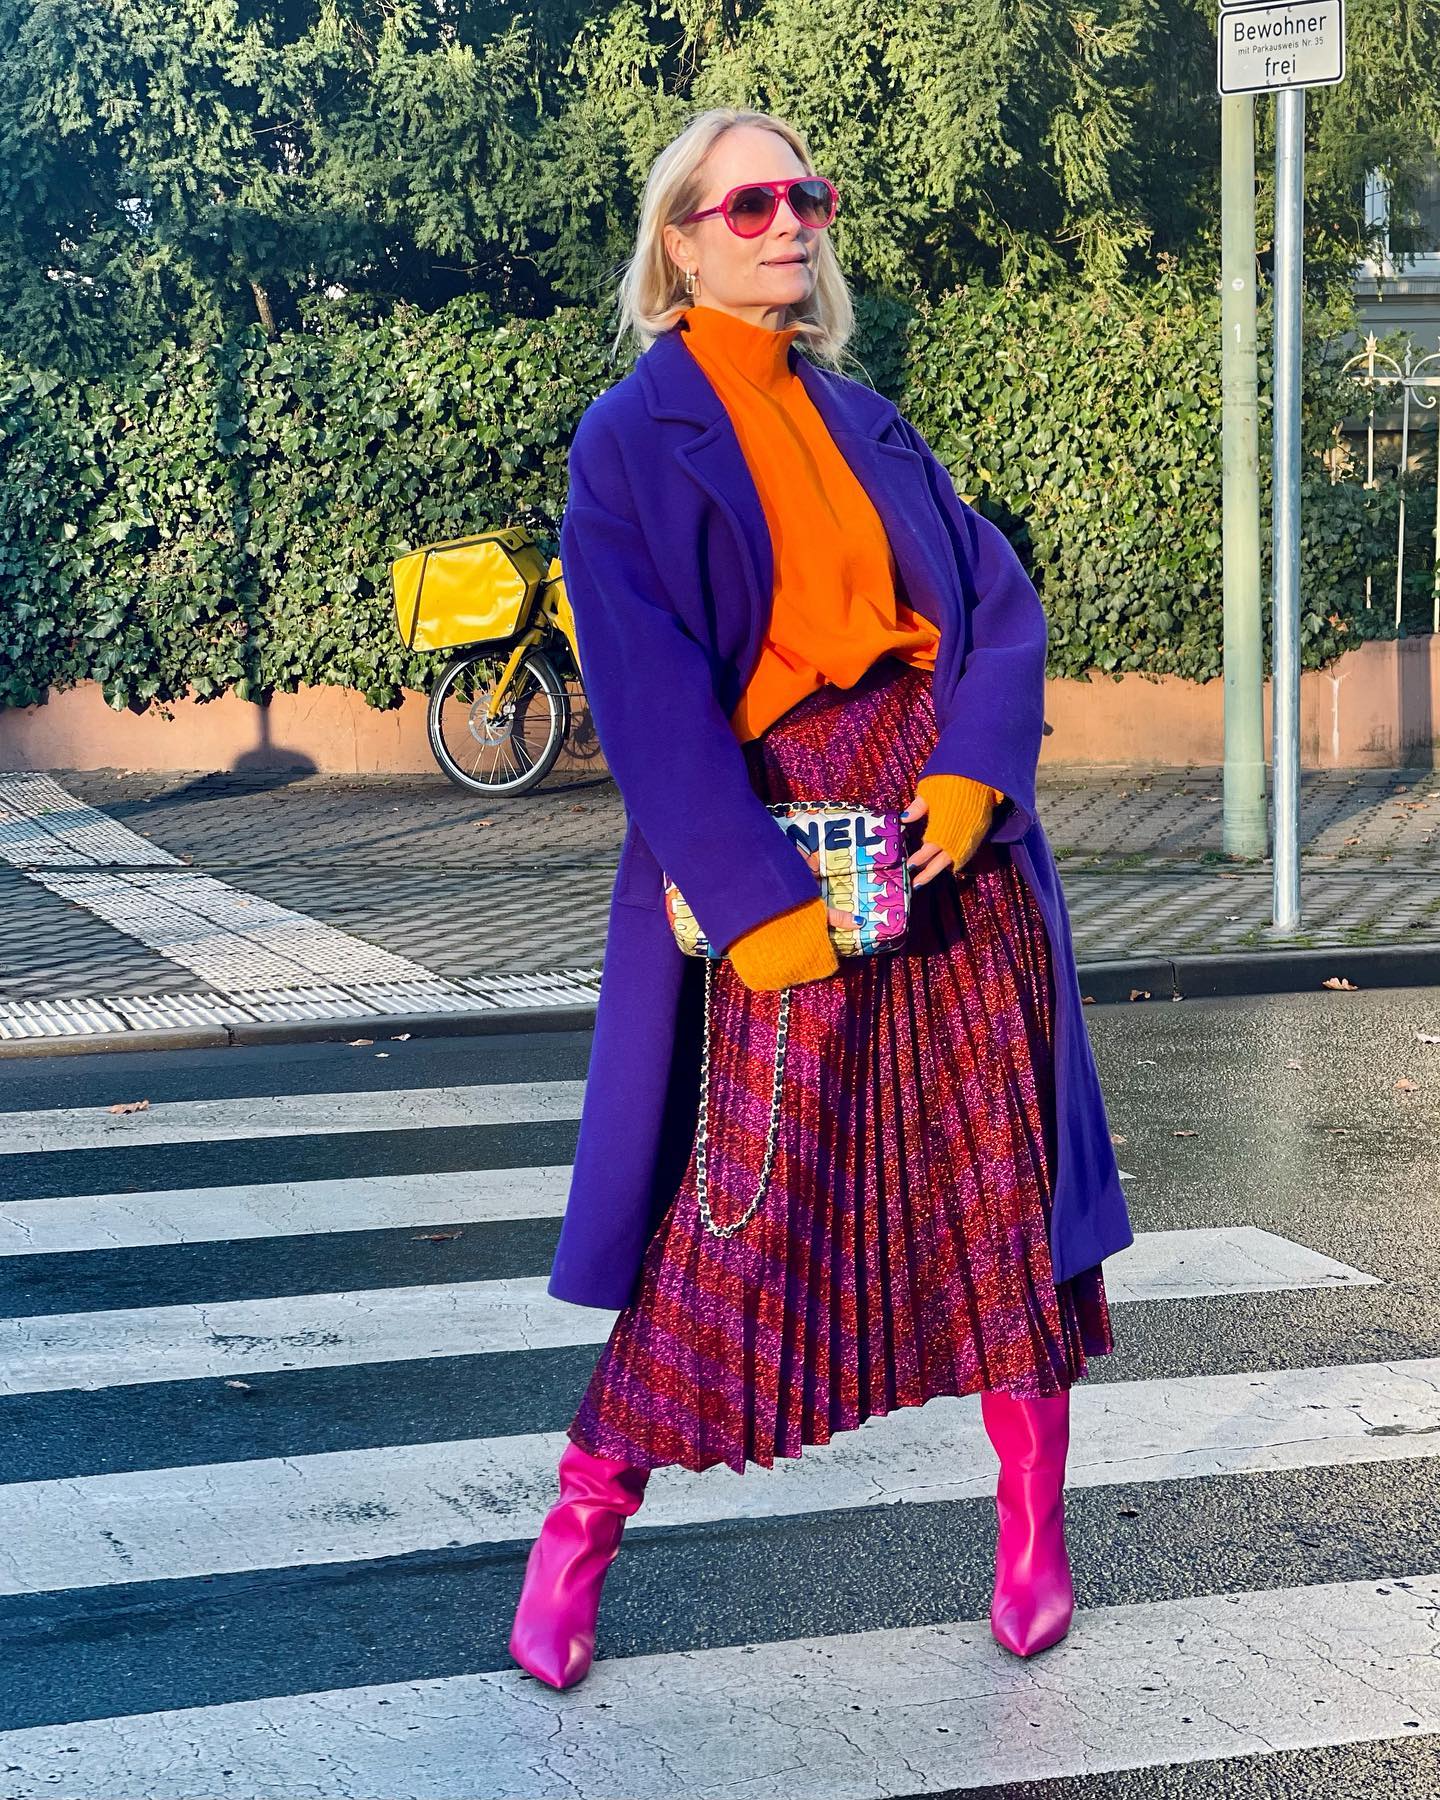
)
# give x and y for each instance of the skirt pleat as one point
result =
(902, 1248)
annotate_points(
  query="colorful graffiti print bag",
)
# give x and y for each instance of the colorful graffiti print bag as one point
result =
(863, 871)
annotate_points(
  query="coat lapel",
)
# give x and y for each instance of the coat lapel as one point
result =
(858, 419)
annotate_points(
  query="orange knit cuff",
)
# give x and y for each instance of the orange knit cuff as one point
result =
(960, 813)
(794, 946)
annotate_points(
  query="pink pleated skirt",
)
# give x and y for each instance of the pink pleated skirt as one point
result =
(902, 1249)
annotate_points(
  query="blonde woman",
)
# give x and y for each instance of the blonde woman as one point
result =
(780, 595)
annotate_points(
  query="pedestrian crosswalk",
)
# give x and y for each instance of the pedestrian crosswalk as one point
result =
(260, 1555)
(90, 1349)
(928, 1709)
(345, 1506)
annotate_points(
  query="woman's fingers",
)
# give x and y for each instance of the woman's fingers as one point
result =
(928, 861)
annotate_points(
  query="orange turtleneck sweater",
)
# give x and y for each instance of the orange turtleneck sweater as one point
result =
(835, 608)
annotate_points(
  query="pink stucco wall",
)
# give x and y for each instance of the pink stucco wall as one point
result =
(1378, 707)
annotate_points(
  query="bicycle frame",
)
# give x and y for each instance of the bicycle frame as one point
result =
(550, 612)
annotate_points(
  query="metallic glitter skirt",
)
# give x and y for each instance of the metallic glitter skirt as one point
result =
(902, 1249)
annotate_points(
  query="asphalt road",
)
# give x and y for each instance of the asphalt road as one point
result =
(282, 1396)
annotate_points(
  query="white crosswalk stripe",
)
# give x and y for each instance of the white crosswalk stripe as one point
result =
(867, 1713)
(919, 1710)
(352, 1505)
(287, 1115)
(280, 1209)
(48, 1352)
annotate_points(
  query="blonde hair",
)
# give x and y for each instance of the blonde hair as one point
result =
(651, 295)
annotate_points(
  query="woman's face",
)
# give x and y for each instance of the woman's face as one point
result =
(756, 278)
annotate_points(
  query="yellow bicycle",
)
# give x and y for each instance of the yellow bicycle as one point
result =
(500, 710)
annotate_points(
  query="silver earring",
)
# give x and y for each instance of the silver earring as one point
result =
(692, 281)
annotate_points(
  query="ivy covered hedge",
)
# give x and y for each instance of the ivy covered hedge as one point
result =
(224, 519)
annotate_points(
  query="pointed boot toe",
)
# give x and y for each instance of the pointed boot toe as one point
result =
(1033, 1619)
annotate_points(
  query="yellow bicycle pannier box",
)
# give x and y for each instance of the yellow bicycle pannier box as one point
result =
(467, 590)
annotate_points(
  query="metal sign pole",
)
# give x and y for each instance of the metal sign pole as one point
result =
(1285, 507)
(1243, 822)
(1263, 46)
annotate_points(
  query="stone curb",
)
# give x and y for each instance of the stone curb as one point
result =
(1230, 974)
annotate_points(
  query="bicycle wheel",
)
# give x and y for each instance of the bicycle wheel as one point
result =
(515, 751)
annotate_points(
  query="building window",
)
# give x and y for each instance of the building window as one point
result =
(1411, 243)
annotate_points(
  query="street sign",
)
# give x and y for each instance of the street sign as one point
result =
(1264, 47)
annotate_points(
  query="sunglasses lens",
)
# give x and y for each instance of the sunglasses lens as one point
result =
(750, 210)
(812, 202)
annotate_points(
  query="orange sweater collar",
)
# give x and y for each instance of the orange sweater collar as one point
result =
(755, 350)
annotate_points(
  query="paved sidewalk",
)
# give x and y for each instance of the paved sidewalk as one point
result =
(217, 903)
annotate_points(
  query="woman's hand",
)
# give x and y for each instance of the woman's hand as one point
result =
(931, 859)
(834, 915)
(967, 807)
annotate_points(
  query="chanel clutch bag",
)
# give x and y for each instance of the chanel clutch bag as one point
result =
(861, 855)
(862, 871)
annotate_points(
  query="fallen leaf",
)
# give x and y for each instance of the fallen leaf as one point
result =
(1294, 1064)
(380, 1055)
(1087, 999)
(401, 1037)
(244, 1386)
(434, 1237)
(1339, 981)
(1408, 1085)
(128, 1106)
(1185, 1133)
(1427, 1037)
(356, 1043)
(1115, 1138)
(1139, 993)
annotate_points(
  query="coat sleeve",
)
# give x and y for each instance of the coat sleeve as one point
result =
(995, 721)
(649, 684)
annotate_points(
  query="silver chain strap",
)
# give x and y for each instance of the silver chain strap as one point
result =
(702, 1186)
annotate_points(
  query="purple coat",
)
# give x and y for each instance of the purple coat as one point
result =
(668, 566)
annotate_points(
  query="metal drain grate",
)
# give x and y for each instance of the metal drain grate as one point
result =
(384, 999)
(35, 1020)
(21, 1019)
(556, 987)
(169, 1012)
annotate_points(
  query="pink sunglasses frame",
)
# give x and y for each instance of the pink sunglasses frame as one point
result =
(778, 191)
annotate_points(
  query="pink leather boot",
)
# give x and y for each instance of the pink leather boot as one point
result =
(1034, 1599)
(554, 1631)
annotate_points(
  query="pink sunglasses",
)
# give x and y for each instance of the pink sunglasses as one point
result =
(749, 209)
